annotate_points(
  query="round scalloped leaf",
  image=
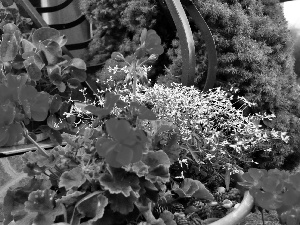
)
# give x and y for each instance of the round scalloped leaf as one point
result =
(193, 188)
(15, 81)
(71, 197)
(266, 200)
(140, 52)
(291, 196)
(117, 56)
(272, 184)
(118, 129)
(32, 68)
(8, 48)
(65, 108)
(146, 114)
(27, 46)
(295, 180)
(52, 51)
(78, 63)
(40, 201)
(61, 87)
(119, 181)
(27, 92)
(15, 131)
(254, 176)
(154, 159)
(7, 3)
(55, 123)
(73, 83)
(110, 100)
(121, 104)
(7, 114)
(125, 154)
(78, 74)
(120, 203)
(56, 103)
(44, 33)
(10, 28)
(72, 178)
(40, 106)
(93, 207)
(55, 136)
(157, 50)
(56, 79)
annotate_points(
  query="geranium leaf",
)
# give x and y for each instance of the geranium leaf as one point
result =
(118, 129)
(55, 103)
(15, 132)
(27, 46)
(120, 182)
(32, 68)
(93, 207)
(55, 136)
(44, 33)
(266, 200)
(172, 149)
(78, 74)
(7, 114)
(40, 106)
(154, 159)
(121, 104)
(7, 3)
(71, 197)
(73, 83)
(78, 63)
(16, 81)
(52, 51)
(110, 100)
(117, 56)
(140, 168)
(146, 114)
(120, 203)
(61, 87)
(40, 201)
(8, 48)
(72, 178)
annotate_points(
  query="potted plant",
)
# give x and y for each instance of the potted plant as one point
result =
(30, 65)
(117, 172)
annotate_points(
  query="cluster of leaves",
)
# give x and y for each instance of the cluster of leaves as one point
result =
(109, 175)
(275, 190)
(10, 14)
(24, 63)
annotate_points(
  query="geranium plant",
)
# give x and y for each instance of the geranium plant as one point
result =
(117, 171)
(25, 65)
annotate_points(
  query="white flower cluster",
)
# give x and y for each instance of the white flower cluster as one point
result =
(208, 121)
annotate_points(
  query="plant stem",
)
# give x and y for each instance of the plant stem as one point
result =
(134, 80)
(26, 134)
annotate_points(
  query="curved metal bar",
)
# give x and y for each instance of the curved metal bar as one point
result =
(65, 26)
(239, 214)
(54, 8)
(186, 41)
(209, 42)
(77, 46)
